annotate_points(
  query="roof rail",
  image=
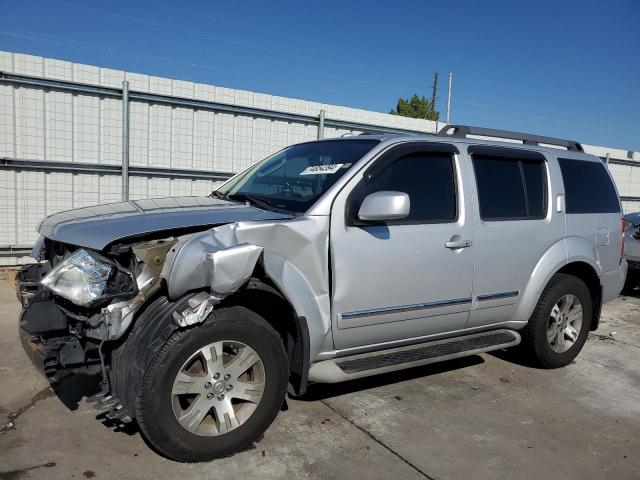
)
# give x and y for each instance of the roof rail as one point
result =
(462, 131)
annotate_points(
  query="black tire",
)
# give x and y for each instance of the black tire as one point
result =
(535, 334)
(154, 405)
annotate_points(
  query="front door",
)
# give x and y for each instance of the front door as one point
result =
(407, 278)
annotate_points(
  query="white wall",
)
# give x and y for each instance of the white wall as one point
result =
(46, 125)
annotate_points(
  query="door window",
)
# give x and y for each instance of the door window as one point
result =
(428, 179)
(510, 188)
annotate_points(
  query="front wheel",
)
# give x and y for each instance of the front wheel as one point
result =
(560, 323)
(213, 389)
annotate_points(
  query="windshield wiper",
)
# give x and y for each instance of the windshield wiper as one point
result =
(217, 194)
(257, 201)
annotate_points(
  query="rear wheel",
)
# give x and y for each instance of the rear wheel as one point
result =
(559, 326)
(213, 389)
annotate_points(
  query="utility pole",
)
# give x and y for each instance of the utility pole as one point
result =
(449, 98)
(434, 94)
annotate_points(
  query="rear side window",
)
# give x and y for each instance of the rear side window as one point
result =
(510, 188)
(428, 179)
(588, 187)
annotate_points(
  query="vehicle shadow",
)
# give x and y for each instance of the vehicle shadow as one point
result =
(635, 293)
(71, 389)
(325, 391)
(517, 355)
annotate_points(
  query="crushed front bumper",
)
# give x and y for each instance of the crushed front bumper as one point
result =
(45, 330)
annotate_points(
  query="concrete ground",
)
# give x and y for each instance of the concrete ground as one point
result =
(487, 416)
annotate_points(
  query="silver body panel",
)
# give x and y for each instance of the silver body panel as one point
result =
(403, 275)
(366, 288)
(98, 226)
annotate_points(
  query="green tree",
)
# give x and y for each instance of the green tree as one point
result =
(416, 107)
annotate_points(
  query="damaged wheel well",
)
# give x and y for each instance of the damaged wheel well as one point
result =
(264, 298)
(156, 323)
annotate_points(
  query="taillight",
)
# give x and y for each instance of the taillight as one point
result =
(621, 240)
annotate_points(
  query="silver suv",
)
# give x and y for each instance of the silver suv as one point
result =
(328, 261)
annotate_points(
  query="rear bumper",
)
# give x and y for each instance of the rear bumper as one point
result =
(612, 282)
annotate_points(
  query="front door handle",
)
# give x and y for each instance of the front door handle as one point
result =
(458, 244)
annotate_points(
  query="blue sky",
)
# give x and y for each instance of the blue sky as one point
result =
(562, 68)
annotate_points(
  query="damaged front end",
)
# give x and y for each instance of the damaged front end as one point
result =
(75, 299)
(79, 304)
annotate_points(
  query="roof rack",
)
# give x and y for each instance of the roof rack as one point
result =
(462, 131)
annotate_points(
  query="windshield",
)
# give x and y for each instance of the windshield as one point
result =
(296, 177)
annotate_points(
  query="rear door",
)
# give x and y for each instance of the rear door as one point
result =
(515, 226)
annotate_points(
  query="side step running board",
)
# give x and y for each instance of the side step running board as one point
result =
(382, 361)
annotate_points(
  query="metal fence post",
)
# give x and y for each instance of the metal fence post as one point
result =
(321, 125)
(125, 141)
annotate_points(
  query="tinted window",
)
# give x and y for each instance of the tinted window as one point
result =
(510, 188)
(428, 179)
(588, 187)
(534, 181)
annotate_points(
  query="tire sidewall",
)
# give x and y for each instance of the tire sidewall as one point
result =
(547, 355)
(155, 401)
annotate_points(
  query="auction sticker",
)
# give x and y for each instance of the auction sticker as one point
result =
(322, 169)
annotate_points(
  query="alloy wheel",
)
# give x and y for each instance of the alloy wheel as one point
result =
(218, 388)
(565, 323)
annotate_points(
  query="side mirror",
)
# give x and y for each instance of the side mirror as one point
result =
(382, 206)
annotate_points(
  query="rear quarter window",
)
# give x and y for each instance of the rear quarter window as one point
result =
(588, 187)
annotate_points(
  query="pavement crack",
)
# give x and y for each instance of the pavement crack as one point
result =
(379, 442)
(13, 416)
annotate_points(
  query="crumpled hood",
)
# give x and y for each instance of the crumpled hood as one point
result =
(98, 226)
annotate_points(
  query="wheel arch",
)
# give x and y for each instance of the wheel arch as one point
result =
(265, 298)
(587, 273)
(573, 256)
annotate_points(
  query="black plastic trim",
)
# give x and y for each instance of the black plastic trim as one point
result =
(495, 296)
(299, 365)
(505, 152)
(443, 349)
(405, 308)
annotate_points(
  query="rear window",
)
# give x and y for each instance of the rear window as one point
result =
(588, 187)
(510, 188)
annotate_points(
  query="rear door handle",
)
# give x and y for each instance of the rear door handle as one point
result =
(458, 244)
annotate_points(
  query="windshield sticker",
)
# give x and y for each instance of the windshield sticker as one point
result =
(321, 169)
